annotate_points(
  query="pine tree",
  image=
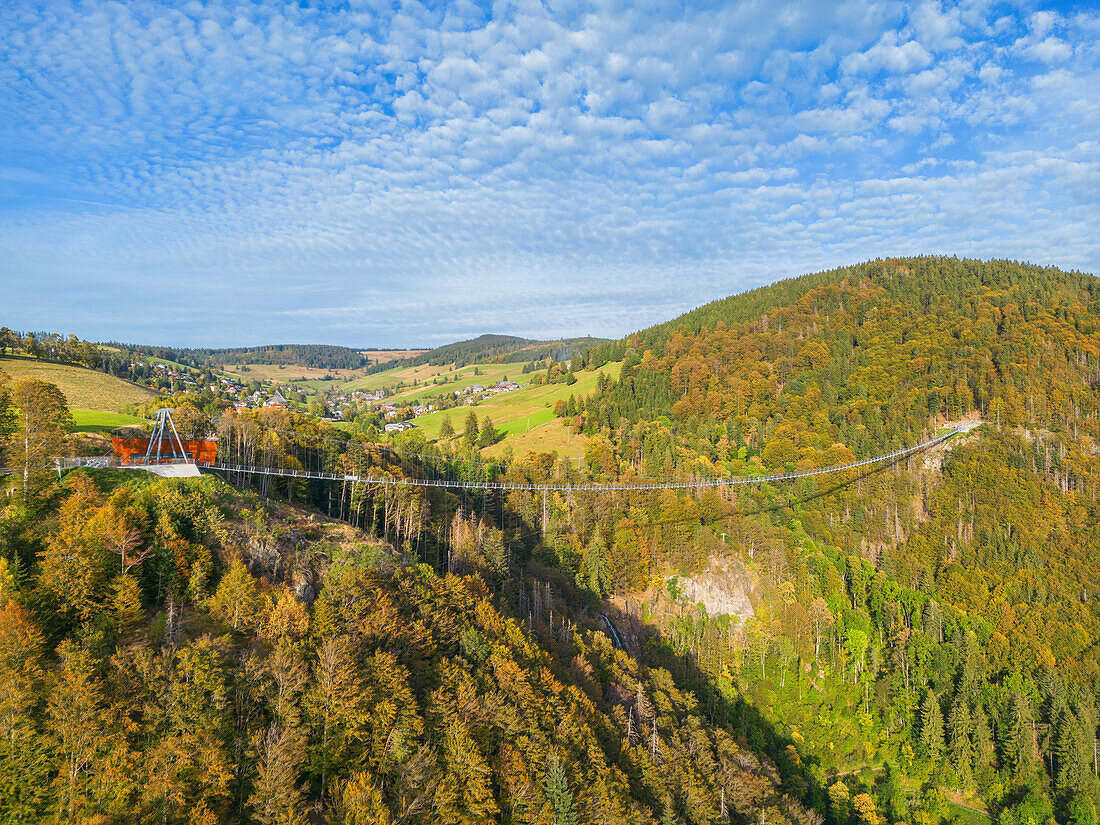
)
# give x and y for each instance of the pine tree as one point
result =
(593, 573)
(1019, 737)
(1073, 754)
(488, 435)
(446, 428)
(962, 751)
(931, 727)
(470, 433)
(7, 415)
(558, 794)
(985, 752)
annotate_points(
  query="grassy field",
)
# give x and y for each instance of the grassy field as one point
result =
(95, 421)
(286, 373)
(512, 411)
(85, 389)
(314, 377)
(449, 378)
(545, 438)
(967, 816)
(384, 356)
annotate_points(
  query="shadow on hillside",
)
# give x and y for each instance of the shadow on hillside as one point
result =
(734, 713)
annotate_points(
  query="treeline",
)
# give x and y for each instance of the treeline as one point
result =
(317, 356)
(506, 349)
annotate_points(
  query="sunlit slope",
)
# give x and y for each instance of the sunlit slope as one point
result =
(522, 410)
(85, 389)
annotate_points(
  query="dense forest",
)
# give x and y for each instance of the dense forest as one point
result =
(918, 641)
(317, 356)
(501, 348)
(936, 621)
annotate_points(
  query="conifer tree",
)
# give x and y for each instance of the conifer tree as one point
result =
(7, 416)
(558, 794)
(985, 752)
(1073, 754)
(962, 750)
(1019, 737)
(446, 428)
(593, 574)
(470, 432)
(488, 435)
(931, 726)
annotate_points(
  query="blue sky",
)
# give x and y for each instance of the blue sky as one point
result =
(380, 174)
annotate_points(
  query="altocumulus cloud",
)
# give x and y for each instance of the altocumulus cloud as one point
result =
(369, 174)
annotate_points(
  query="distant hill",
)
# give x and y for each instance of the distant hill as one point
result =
(500, 348)
(318, 356)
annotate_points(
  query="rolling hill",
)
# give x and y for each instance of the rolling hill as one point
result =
(84, 388)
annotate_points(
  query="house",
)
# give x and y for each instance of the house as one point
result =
(399, 427)
(276, 402)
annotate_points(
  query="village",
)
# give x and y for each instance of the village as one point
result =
(395, 411)
(470, 395)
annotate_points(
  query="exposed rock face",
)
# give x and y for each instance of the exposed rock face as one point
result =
(723, 589)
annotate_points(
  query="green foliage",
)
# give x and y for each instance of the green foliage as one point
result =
(558, 793)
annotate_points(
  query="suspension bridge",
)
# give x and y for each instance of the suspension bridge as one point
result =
(241, 454)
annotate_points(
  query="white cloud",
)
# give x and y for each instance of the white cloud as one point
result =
(888, 55)
(377, 177)
(1049, 50)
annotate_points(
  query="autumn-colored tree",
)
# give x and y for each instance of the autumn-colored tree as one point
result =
(238, 600)
(335, 704)
(839, 800)
(360, 800)
(822, 619)
(277, 798)
(75, 565)
(863, 806)
(76, 723)
(24, 765)
(43, 422)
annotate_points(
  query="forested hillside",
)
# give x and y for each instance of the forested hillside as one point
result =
(917, 641)
(936, 623)
(496, 348)
(165, 656)
(319, 356)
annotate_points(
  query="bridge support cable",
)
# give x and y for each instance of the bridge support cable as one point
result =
(640, 485)
(441, 472)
